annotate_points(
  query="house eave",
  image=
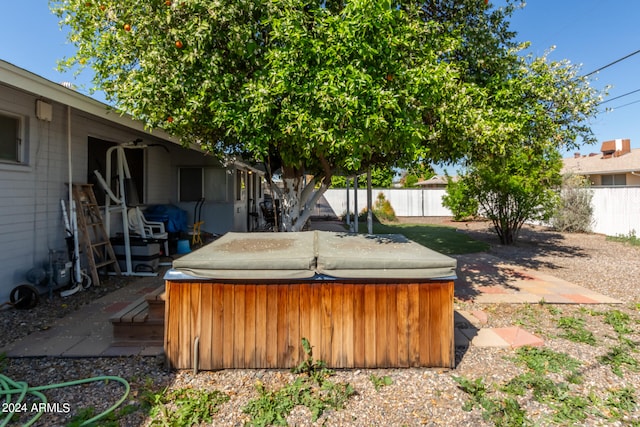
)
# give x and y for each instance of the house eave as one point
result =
(27, 81)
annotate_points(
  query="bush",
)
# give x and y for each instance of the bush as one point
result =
(575, 211)
(383, 210)
(459, 200)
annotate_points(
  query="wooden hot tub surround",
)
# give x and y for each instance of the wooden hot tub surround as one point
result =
(351, 322)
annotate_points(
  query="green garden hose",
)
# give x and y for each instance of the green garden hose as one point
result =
(9, 387)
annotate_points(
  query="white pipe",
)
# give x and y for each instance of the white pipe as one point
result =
(72, 205)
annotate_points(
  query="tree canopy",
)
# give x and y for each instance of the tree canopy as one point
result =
(309, 86)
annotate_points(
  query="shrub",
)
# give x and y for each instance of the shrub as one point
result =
(575, 211)
(459, 200)
(383, 210)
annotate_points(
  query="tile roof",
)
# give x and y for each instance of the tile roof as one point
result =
(596, 164)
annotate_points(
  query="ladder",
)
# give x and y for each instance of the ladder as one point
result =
(93, 234)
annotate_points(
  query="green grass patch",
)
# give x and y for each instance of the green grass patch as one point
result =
(630, 238)
(183, 407)
(574, 329)
(312, 389)
(443, 239)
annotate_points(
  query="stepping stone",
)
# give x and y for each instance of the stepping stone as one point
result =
(518, 337)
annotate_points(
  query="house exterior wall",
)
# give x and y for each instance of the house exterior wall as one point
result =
(30, 216)
(31, 221)
(631, 179)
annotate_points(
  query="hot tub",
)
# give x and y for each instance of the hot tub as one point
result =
(363, 301)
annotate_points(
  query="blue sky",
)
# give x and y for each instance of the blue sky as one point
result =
(593, 33)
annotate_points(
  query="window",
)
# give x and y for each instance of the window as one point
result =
(620, 179)
(191, 184)
(10, 138)
(240, 185)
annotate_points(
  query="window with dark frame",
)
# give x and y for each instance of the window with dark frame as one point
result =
(191, 180)
(618, 179)
(10, 138)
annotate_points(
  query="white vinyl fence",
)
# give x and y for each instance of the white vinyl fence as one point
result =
(405, 201)
(616, 210)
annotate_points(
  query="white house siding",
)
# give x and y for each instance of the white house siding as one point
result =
(30, 214)
(30, 217)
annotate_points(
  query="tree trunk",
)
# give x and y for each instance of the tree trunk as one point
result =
(297, 201)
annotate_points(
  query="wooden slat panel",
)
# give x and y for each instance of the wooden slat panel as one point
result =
(315, 331)
(185, 335)
(238, 325)
(358, 326)
(437, 323)
(413, 319)
(402, 327)
(305, 317)
(327, 330)
(370, 326)
(227, 325)
(206, 335)
(382, 350)
(272, 327)
(196, 315)
(348, 316)
(261, 326)
(250, 326)
(172, 313)
(425, 327)
(217, 326)
(348, 325)
(337, 322)
(293, 326)
(283, 335)
(391, 343)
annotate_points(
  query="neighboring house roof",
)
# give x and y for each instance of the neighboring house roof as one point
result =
(596, 164)
(27, 81)
(437, 180)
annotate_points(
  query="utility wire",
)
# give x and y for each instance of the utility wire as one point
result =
(620, 96)
(613, 63)
(625, 105)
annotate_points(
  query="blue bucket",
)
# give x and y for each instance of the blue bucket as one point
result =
(183, 247)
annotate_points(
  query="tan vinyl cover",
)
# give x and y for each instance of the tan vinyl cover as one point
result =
(304, 254)
(253, 256)
(385, 256)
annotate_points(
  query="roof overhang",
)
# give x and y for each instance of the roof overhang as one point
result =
(27, 81)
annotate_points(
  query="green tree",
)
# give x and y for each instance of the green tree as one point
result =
(515, 188)
(459, 200)
(415, 173)
(380, 178)
(307, 87)
(543, 106)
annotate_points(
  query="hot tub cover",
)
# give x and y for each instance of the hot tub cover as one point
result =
(314, 253)
(379, 256)
(253, 256)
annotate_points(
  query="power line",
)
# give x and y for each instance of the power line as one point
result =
(613, 63)
(619, 96)
(625, 105)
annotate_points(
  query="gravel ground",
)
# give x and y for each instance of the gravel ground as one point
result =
(414, 397)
